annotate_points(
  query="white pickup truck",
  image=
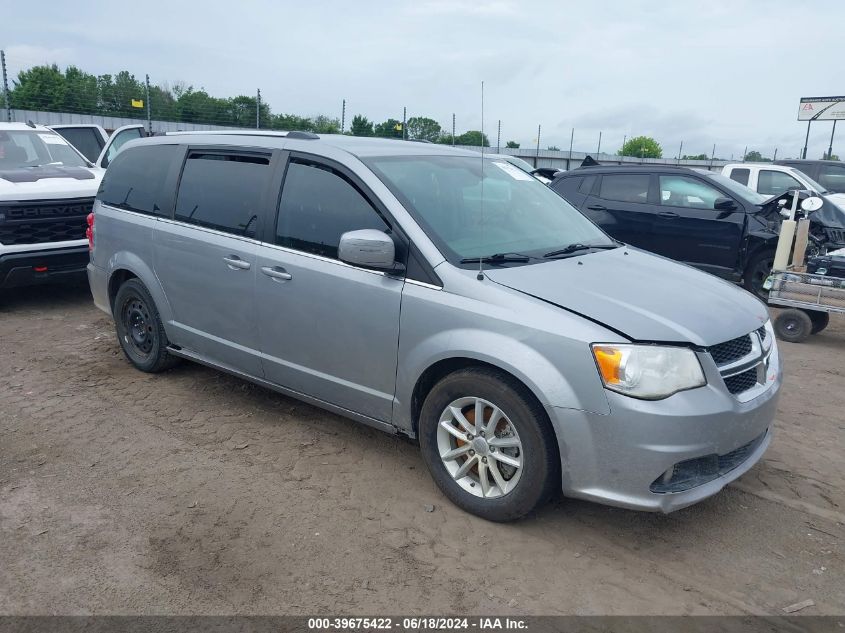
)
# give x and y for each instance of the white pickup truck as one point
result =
(772, 180)
(47, 189)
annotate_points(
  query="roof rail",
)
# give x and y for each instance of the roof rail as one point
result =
(247, 132)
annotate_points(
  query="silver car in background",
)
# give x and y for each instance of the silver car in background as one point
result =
(442, 295)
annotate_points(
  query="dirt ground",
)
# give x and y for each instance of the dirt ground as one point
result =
(194, 492)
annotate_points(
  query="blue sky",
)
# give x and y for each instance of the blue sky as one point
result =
(728, 73)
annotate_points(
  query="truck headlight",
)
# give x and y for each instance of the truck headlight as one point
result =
(650, 372)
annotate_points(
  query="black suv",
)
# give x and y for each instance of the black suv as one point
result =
(828, 173)
(691, 215)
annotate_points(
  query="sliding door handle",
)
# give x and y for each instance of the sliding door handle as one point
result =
(236, 263)
(276, 272)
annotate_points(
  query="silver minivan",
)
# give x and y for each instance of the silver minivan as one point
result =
(442, 295)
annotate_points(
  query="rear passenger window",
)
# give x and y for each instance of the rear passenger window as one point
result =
(586, 186)
(318, 205)
(223, 191)
(625, 187)
(741, 175)
(135, 181)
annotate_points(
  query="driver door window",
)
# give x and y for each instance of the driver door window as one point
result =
(690, 193)
(318, 205)
(774, 183)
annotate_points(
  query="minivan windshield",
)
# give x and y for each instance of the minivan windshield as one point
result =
(36, 148)
(518, 220)
(736, 188)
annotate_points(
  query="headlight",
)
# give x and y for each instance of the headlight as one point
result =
(650, 372)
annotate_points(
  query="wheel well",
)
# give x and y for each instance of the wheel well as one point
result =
(443, 368)
(116, 281)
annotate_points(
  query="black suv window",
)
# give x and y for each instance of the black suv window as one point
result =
(684, 191)
(625, 187)
(223, 191)
(832, 177)
(317, 206)
(135, 181)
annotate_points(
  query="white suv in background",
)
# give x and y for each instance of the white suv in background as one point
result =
(47, 190)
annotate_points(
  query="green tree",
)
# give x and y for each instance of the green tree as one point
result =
(392, 128)
(445, 138)
(81, 94)
(833, 157)
(553, 148)
(118, 92)
(423, 128)
(512, 145)
(197, 106)
(39, 88)
(694, 157)
(361, 126)
(642, 147)
(323, 124)
(291, 122)
(756, 157)
(474, 138)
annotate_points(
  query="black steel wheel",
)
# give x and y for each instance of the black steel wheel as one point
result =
(758, 270)
(139, 329)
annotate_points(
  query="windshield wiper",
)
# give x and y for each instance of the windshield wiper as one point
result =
(574, 248)
(497, 258)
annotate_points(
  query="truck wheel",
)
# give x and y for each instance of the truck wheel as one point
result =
(758, 270)
(793, 325)
(820, 320)
(139, 328)
(489, 444)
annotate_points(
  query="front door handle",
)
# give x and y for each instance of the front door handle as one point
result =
(668, 214)
(236, 263)
(276, 272)
(597, 207)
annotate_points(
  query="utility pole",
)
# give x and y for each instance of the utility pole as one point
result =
(258, 109)
(499, 137)
(404, 116)
(830, 148)
(776, 155)
(680, 152)
(712, 154)
(149, 109)
(571, 139)
(806, 140)
(538, 147)
(624, 140)
(6, 97)
(453, 129)
(343, 116)
(598, 149)
(744, 153)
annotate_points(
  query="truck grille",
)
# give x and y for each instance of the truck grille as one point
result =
(43, 221)
(834, 237)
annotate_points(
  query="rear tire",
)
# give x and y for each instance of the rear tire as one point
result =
(820, 320)
(140, 331)
(522, 446)
(757, 271)
(793, 325)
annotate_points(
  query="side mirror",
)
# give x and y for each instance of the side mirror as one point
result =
(367, 247)
(813, 203)
(724, 204)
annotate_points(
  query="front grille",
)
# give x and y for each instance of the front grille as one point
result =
(43, 221)
(730, 351)
(834, 236)
(695, 472)
(741, 382)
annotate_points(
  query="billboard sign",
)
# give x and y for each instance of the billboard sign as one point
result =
(821, 109)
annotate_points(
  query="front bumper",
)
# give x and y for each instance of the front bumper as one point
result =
(616, 458)
(41, 266)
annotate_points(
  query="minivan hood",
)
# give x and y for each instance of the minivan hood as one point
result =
(49, 182)
(643, 296)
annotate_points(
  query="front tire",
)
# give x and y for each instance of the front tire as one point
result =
(500, 469)
(758, 270)
(140, 331)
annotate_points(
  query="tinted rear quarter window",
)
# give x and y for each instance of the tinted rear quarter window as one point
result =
(223, 191)
(317, 206)
(625, 187)
(741, 175)
(87, 140)
(136, 180)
